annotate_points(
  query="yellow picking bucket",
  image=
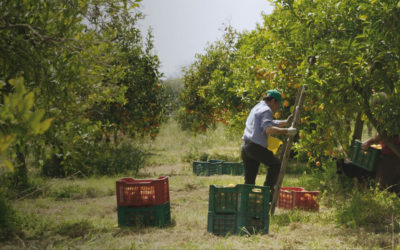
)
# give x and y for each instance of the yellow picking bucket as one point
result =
(273, 144)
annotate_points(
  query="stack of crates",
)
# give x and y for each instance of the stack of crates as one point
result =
(143, 202)
(298, 197)
(232, 168)
(366, 159)
(243, 209)
(217, 167)
(207, 168)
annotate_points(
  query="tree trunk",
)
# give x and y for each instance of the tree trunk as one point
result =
(116, 139)
(21, 171)
(358, 128)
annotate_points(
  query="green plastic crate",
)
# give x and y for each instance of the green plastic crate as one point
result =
(217, 167)
(366, 159)
(215, 161)
(237, 223)
(243, 198)
(232, 168)
(159, 215)
(207, 168)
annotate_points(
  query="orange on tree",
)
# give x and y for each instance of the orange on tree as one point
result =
(328, 152)
(318, 164)
(286, 103)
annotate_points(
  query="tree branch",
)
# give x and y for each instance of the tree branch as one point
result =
(23, 25)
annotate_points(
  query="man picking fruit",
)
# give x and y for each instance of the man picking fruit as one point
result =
(259, 125)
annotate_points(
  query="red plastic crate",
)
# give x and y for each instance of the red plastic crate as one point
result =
(140, 193)
(297, 197)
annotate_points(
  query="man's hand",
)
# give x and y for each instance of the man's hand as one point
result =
(289, 120)
(291, 131)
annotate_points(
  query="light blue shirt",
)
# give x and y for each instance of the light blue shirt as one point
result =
(259, 119)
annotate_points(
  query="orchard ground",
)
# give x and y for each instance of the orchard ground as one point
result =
(82, 212)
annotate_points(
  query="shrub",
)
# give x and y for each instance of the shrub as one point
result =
(8, 219)
(375, 209)
(126, 157)
(101, 158)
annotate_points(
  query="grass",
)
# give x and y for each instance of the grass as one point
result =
(81, 213)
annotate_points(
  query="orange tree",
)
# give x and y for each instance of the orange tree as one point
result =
(142, 108)
(345, 51)
(78, 57)
(205, 99)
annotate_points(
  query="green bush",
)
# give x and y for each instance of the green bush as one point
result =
(193, 155)
(374, 209)
(101, 158)
(8, 219)
(124, 158)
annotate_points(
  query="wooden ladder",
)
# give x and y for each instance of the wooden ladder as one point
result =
(287, 146)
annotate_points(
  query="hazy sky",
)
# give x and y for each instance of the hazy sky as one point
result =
(182, 28)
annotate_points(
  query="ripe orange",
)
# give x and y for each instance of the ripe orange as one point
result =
(307, 108)
(286, 103)
(318, 164)
(309, 154)
(303, 120)
(277, 115)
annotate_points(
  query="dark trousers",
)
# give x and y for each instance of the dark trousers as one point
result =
(254, 154)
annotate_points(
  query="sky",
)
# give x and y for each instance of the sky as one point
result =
(183, 28)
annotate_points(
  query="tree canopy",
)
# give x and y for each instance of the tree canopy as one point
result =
(346, 52)
(90, 70)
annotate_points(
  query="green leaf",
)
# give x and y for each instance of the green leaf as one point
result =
(363, 17)
(7, 164)
(5, 141)
(34, 121)
(44, 126)
(28, 100)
